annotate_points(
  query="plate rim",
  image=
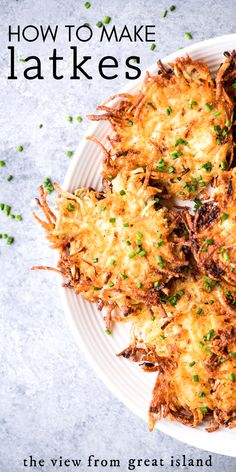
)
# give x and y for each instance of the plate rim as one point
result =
(164, 425)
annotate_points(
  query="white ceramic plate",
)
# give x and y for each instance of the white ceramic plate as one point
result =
(127, 381)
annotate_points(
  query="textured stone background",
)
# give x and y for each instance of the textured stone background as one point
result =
(51, 403)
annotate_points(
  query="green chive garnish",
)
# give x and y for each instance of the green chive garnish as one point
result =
(69, 118)
(122, 192)
(71, 207)
(70, 153)
(192, 363)
(99, 24)
(208, 106)
(131, 254)
(195, 378)
(87, 4)
(168, 111)
(188, 35)
(112, 220)
(107, 20)
(152, 47)
(2, 163)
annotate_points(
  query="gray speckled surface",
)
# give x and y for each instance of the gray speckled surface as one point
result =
(51, 402)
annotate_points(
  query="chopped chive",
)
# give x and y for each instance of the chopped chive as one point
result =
(9, 178)
(171, 170)
(188, 35)
(134, 59)
(140, 235)
(172, 7)
(233, 354)
(204, 409)
(181, 141)
(208, 106)
(198, 203)
(2, 206)
(7, 210)
(199, 311)
(226, 256)
(107, 20)
(126, 225)
(20, 148)
(160, 262)
(69, 118)
(218, 140)
(209, 242)
(143, 253)
(202, 184)
(223, 165)
(78, 118)
(232, 376)
(112, 261)
(192, 363)
(209, 335)
(10, 240)
(217, 113)
(207, 166)
(153, 318)
(5, 236)
(175, 154)
(153, 47)
(201, 394)
(87, 4)
(103, 208)
(161, 335)
(122, 192)
(48, 185)
(234, 85)
(128, 243)
(164, 13)
(156, 284)
(21, 59)
(69, 153)
(112, 220)
(217, 128)
(211, 302)
(195, 378)
(99, 24)
(95, 260)
(193, 103)
(108, 331)
(124, 276)
(71, 207)
(139, 285)
(168, 111)
(130, 122)
(40, 125)
(159, 243)
(111, 284)
(150, 104)
(2, 163)
(131, 254)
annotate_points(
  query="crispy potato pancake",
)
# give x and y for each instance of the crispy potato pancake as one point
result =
(213, 231)
(179, 125)
(131, 250)
(193, 349)
(120, 247)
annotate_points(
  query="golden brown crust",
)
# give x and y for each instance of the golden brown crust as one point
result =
(172, 274)
(179, 124)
